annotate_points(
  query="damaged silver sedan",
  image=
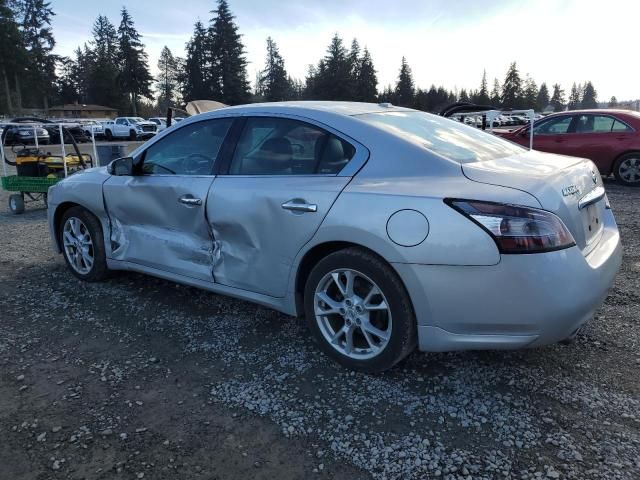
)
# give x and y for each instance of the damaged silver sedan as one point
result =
(387, 228)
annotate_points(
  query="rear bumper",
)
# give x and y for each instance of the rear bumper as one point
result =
(523, 301)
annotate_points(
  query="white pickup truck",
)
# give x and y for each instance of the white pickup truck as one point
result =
(133, 128)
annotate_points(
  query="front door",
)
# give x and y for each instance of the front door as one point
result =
(158, 216)
(551, 135)
(282, 180)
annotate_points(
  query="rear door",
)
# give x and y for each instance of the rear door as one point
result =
(600, 138)
(158, 217)
(283, 177)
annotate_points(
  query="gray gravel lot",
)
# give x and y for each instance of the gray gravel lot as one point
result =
(137, 377)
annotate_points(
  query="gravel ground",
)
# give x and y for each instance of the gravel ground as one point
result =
(137, 377)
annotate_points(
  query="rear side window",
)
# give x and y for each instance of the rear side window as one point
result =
(448, 138)
(618, 126)
(281, 146)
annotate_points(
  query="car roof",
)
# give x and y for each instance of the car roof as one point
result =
(341, 108)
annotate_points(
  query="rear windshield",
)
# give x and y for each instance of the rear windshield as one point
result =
(448, 138)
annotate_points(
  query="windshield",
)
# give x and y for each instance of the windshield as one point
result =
(448, 138)
(136, 119)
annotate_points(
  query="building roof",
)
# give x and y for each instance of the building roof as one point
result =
(82, 107)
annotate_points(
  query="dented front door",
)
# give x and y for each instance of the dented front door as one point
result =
(159, 221)
(158, 217)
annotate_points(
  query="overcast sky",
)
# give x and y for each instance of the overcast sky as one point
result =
(446, 42)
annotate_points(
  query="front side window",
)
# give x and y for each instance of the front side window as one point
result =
(553, 126)
(281, 146)
(190, 150)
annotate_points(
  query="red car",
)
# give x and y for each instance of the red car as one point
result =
(610, 138)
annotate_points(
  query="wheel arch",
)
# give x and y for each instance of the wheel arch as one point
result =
(614, 164)
(57, 217)
(316, 253)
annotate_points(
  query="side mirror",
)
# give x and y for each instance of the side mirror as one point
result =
(121, 167)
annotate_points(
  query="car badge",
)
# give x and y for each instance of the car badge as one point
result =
(594, 177)
(570, 190)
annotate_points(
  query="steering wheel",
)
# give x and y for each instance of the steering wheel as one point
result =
(193, 162)
(299, 147)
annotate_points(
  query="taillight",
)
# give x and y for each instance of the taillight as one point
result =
(517, 229)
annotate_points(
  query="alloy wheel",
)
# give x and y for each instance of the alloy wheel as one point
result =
(78, 245)
(352, 313)
(629, 170)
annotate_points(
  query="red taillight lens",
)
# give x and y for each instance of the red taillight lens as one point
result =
(517, 229)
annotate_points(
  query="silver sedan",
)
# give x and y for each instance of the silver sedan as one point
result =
(387, 228)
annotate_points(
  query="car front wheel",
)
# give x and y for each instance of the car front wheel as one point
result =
(82, 244)
(627, 169)
(359, 311)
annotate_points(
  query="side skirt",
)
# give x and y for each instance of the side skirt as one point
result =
(285, 305)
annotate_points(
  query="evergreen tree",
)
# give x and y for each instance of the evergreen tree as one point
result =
(333, 79)
(495, 93)
(512, 88)
(367, 81)
(227, 64)
(463, 96)
(135, 79)
(613, 103)
(557, 99)
(482, 97)
(273, 82)
(530, 94)
(388, 95)
(66, 83)
(354, 61)
(589, 96)
(542, 99)
(575, 97)
(37, 37)
(101, 66)
(12, 55)
(193, 77)
(405, 89)
(167, 81)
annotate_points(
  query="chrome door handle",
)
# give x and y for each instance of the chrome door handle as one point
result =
(297, 205)
(189, 200)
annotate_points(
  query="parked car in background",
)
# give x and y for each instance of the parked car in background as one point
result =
(94, 126)
(133, 128)
(24, 132)
(389, 228)
(610, 138)
(161, 123)
(72, 130)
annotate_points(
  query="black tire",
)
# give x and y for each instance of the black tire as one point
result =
(132, 135)
(99, 270)
(403, 338)
(16, 203)
(108, 135)
(634, 179)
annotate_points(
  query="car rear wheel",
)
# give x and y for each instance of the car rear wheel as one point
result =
(359, 311)
(627, 169)
(82, 244)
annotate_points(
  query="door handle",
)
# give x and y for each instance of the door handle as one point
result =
(298, 205)
(189, 200)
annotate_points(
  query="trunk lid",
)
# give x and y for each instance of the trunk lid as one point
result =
(558, 182)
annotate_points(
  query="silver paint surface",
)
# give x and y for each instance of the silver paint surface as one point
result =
(241, 242)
